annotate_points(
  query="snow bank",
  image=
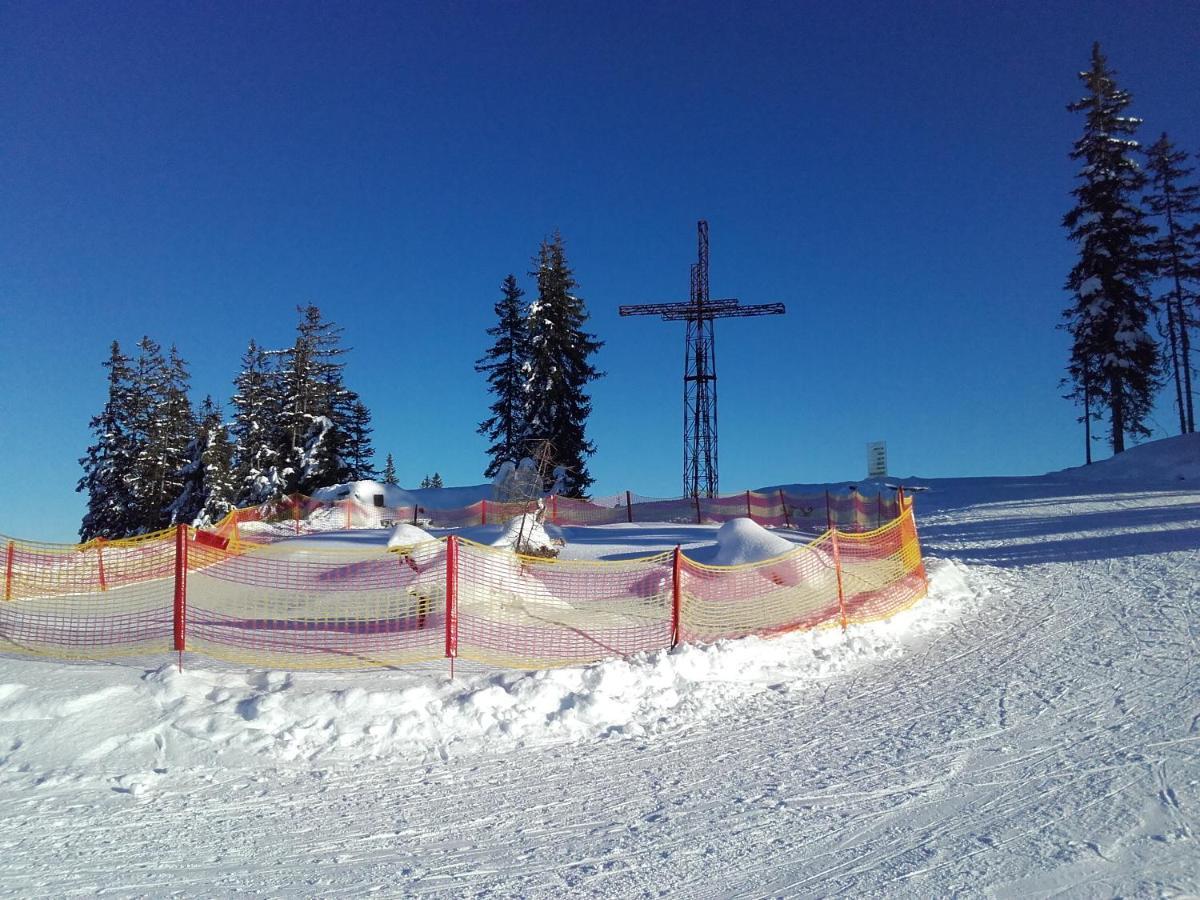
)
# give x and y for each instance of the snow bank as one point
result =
(127, 730)
(405, 535)
(532, 534)
(1170, 459)
(429, 498)
(742, 541)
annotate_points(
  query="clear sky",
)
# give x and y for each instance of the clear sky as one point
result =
(894, 173)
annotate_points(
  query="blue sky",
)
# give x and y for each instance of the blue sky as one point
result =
(894, 173)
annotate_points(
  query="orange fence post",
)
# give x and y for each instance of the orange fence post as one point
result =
(783, 503)
(828, 513)
(451, 600)
(8, 569)
(346, 507)
(628, 507)
(554, 508)
(837, 565)
(676, 593)
(296, 511)
(180, 607)
(749, 514)
(483, 512)
(100, 561)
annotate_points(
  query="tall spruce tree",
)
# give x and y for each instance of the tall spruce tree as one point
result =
(209, 490)
(257, 429)
(1114, 360)
(504, 364)
(389, 471)
(163, 424)
(1176, 204)
(108, 467)
(359, 452)
(558, 371)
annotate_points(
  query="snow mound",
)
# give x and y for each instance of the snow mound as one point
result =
(129, 730)
(364, 493)
(531, 533)
(1170, 459)
(405, 535)
(742, 541)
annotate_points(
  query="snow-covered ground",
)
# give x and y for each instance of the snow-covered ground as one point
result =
(1031, 728)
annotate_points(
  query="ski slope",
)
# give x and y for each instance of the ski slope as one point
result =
(1031, 728)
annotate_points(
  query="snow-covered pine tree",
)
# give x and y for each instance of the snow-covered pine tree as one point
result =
(256, 428)
(436, 481)
(558, 370)
(389, 471)
(318, 407)
(108, 465)
(504, 363)
(208, 488)
(1114, 360)
(163, 424)
(1176, 203)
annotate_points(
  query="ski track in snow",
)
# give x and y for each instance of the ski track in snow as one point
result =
(1043, 739)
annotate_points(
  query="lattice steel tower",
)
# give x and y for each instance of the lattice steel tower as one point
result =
(700, 366)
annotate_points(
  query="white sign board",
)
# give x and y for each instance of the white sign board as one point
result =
(877, 459)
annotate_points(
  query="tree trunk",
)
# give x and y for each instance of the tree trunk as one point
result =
(1117, 410)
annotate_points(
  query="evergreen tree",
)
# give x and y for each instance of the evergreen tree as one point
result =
(163, 424)
(359, 452)
(257, 430)
(558, 370)
(426, 482)
(209, 489)
(1177, 258)
(504, 364)
(318, 408)
(389, 471)
(1114, 360)
(108, 465)
(436, 481)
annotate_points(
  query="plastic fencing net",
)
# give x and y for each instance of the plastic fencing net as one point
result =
(309, 602)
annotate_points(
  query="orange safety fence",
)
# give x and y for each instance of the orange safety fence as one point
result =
(243, 592)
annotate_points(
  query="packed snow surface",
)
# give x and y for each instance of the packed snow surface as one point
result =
(405, 535)
(1032, 728)
(742, 541)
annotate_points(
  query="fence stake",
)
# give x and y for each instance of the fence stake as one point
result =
(749, 514)
(451, 600)
(296, 511)
(8, 570)
(828, 513)
(483, 514)
(180, 610)
(554, 508)
(346, 507)
(698, 521)
(837, 565)
(629, 507)
(100, 560)
(676, 593)
(782, 502)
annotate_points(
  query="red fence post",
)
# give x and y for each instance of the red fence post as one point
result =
(628, 507)
(783, 503)
(180, 610)
(346, 507)
(837, 565)
(100, 561)
(554, 508)
(296, 511)
(676, 594)
(828, 513)
(749, 514)
(8, 569)
(451, 600)
(483, 513)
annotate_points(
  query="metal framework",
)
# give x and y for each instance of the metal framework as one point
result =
(700, 365)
